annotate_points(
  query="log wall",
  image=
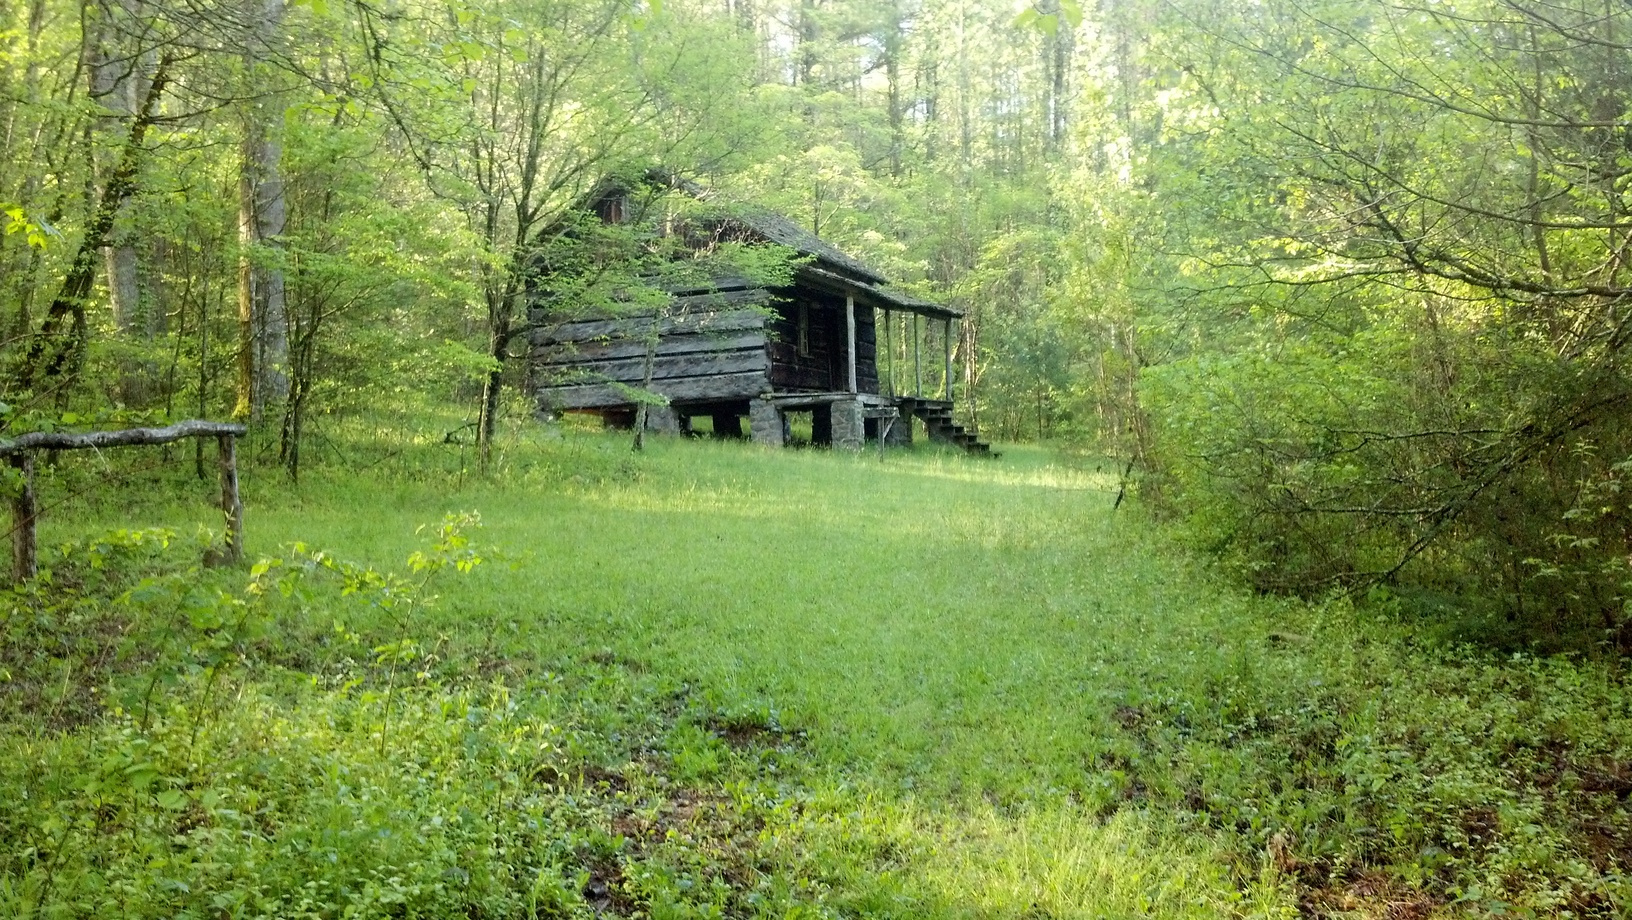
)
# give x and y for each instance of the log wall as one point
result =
(824, 368)
(710, 347)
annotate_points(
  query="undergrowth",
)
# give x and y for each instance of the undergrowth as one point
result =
(711, 681)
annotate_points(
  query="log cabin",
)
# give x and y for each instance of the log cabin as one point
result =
(730, 350)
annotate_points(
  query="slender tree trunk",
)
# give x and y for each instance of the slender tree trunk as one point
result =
(294, 413)
(203, 373)
(54, 354)
(118, 77)
(966, 128)
(501, 322)
(892, 71)
(118, 85)
(263, 326)
(808, 33)
(21, 279)
(1061, 46)
(642, 410)
(487, 421)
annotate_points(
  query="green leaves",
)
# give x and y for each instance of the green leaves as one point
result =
(451, 545)
(1068, 12)
(39, 234)
(642, 19)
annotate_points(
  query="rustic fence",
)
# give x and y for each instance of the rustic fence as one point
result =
(20, 451)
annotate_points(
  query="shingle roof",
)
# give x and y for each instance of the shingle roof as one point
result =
(780, 230)
(886, 297)
(772, 226)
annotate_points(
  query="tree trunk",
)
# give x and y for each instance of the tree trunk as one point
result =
(118, 85)
(808, 33)
(641, 411)
(1061, 46)
(263, 327)
(966, 136)
(892, 70)
(487, 420)
(20, 278)
(54, 354)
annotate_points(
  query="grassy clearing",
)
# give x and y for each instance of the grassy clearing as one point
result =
(715, 681)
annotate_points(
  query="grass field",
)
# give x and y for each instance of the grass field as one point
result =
(711, 680)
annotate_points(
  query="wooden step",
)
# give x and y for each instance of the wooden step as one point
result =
(938, 422)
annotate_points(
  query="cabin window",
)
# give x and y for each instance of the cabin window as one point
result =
(804, 330)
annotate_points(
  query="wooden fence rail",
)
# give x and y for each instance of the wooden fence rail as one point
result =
(24, 509)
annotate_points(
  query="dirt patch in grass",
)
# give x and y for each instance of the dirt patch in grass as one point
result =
(589, 777)
(607, 658)
(751, 732)
(606, 891)
(1368, 894)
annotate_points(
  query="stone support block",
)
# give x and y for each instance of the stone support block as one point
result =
(662, 420)
(766, 423)
(900, 431)
(849, 425)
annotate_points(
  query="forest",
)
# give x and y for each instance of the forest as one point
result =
(1299, 324)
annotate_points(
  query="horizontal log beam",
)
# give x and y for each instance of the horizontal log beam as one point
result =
(124, 437)
(729, 283)
(578, 353)
(684, 389)
(25, 510)
(633, 370)
(716, 299)
(710, 321)
(699, 314)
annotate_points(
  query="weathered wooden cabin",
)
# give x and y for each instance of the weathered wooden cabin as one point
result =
(730, 350)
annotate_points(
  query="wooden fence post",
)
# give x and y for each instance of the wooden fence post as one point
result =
(25, 563)
(231, 504)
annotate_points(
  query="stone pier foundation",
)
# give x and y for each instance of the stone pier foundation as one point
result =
(849, 425)
(662, 420)
(900, 433)
(767, 424)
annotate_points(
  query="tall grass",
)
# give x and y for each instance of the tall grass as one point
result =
(922, 685)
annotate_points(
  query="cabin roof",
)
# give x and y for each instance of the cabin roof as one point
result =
(879, 295)
(913, 304)
(780, 230)
(851, 273)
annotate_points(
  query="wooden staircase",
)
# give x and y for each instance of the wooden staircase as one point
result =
(937, 417)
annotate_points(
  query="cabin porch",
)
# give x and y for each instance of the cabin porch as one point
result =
(856, 358)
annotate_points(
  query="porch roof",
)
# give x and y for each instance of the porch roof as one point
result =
(877, 295)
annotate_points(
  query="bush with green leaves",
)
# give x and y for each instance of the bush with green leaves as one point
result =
(1480, 474)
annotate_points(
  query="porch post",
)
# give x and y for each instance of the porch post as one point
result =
(850, 326)
(917, 357)
(946, 343)
(889, 349)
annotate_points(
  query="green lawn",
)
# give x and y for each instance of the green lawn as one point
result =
(713, 680)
